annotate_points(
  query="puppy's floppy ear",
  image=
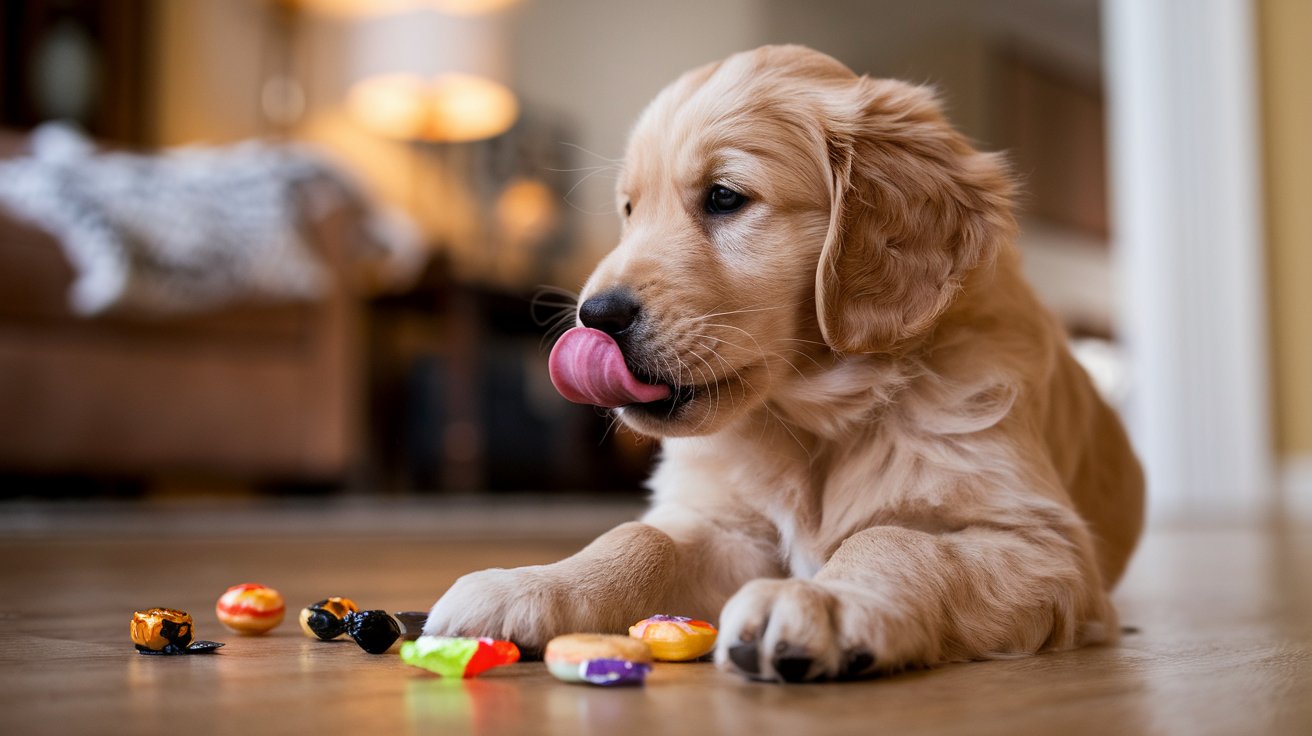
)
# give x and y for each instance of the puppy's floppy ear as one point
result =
(915, 208)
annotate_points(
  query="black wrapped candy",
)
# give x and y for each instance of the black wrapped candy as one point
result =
(326, 619)
(374, 631)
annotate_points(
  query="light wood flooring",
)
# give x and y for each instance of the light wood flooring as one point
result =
(1223, 642)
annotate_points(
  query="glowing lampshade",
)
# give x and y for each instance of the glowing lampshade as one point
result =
(423, 74)
(361, 8)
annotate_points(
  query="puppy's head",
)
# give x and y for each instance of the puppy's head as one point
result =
(776, 207)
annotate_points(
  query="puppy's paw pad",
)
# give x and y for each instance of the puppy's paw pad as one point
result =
(858, 663)
(792, 664)
(745, 657)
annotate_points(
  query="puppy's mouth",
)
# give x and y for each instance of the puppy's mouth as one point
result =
(588, 367)
(668, 407)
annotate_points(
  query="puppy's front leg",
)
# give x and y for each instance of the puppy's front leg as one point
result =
(631, 572)
(891, 598)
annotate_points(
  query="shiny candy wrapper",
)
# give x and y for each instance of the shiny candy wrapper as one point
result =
(675, 638)
(326, 619)
(598, 659)
(166, 631)
(452, 656)
(374, 631)
(604, 672)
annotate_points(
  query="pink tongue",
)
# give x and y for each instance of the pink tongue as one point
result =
(588, 368)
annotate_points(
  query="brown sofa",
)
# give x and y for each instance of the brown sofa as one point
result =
(271, 392)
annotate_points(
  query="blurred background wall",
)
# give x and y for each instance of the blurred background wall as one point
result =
(438, 384)
(1287, 118)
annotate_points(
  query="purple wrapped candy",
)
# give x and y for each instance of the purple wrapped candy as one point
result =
(614, 672)
(598, 659)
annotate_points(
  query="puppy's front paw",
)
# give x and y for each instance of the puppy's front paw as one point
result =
(523, 605)
(803, 630)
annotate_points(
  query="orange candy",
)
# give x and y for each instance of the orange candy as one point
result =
(675, 638)
(250, 608)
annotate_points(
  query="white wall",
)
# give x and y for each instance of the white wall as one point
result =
(1188, 229)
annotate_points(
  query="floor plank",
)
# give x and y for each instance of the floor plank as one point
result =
(1223, 642)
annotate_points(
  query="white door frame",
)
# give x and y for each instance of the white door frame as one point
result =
(1182, 93)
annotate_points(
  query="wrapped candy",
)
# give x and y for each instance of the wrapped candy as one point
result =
(374, 631)
(452, 656)
(598, 659)
(412, 623)
(166, 631)
(675, 638)
(250, 608)
(326, 620)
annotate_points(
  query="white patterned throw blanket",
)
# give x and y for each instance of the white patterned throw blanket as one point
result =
(192, 229)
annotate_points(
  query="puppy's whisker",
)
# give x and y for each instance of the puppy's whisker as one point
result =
(759, 307)
(780, 356)
(745, 311)
(615, 169)
(810, 459)
(750, 336)
(560, 327)
(723, 341)
(558, 291)
(734, 372)
(582, 180)
(593, 154)
(543, 298)
(552, 317)
(610, 427)
(716, 408)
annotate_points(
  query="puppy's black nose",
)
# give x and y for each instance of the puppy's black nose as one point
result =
(612, 311)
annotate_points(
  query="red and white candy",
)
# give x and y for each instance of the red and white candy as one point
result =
(250, 608)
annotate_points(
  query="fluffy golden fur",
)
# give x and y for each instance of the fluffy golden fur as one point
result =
(882, 454)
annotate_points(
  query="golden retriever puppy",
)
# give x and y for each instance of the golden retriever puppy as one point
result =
(877, 451)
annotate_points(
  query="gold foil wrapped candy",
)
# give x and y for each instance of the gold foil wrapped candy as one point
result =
(166, 631)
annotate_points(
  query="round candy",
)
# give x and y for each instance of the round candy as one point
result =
(374, 631)
(452, 656)
(326, 620)
(250, 608)
(166, 631)
(675, 638)
(598, 659)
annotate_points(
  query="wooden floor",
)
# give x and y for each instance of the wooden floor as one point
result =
(1223, 642)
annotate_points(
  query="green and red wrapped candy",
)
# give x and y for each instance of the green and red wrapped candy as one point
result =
(453, 656)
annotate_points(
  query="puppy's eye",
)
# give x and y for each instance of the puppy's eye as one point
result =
(723, 200)
(628, 208)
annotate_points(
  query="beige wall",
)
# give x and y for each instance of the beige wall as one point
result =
(1284, 26)
(208, 55)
